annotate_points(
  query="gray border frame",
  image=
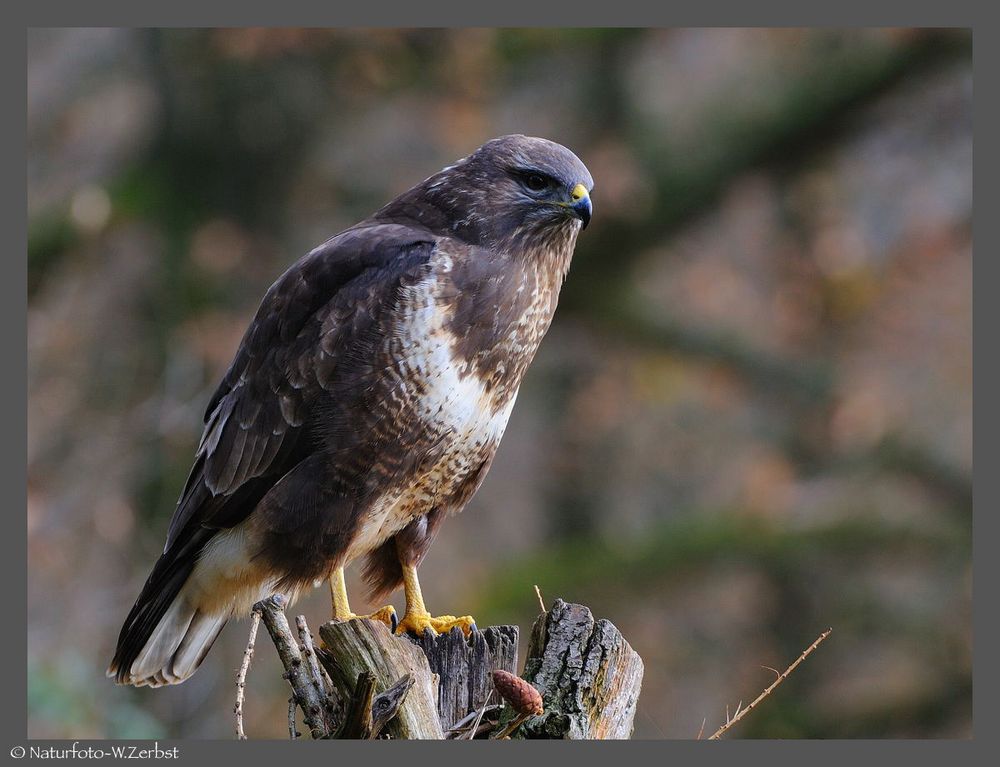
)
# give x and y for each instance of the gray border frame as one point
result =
(399, 13)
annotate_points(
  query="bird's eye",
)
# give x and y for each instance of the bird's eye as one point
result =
(535, 182)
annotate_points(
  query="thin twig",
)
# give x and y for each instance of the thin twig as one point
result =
(464, 725)
(472, 732)
(292, 732)
(701, 731)
(318, 673)
(776, 672)
(509, 729)
(781, 678)
(241, 677)
(541, 602)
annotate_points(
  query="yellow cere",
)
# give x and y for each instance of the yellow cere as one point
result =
(579, 192)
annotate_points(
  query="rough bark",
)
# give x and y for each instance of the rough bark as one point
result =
(589, 676)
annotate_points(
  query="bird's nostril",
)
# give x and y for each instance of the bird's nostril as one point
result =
(579, 192)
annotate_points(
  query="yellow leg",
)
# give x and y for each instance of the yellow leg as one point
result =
(417, 619)
(342, 608)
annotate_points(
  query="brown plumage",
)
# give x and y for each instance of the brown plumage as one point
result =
(366, 400)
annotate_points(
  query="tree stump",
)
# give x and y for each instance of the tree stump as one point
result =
(589, 676)
(463, 667)
(438, 687)
(357, 646)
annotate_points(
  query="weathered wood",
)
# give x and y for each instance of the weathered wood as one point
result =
(589, 676)
(358, 722)
(367, 713)
(463, 666)
(386, 705)
(353, 647)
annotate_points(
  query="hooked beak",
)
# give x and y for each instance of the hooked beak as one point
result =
(581, 204)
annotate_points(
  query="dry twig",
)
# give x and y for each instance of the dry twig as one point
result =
(292, 732)
(241, 676)
(308, 691)
(514, 724)
(742, 712)
(541, 602)
(464, 726)
(320, 678)
(475, 727)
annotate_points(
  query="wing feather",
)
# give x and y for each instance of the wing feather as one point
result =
(259, 422)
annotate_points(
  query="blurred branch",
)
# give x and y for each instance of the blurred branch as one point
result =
(576, 566)
(815, 108)
(893, 453)
(808, 382)
(794, 383)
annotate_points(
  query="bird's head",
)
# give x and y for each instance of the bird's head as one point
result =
(540, 178)
(515, 188)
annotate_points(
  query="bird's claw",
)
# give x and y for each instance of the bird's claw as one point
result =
(386, 615)
(417, 624)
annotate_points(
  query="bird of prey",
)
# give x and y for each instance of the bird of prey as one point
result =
(365, 403)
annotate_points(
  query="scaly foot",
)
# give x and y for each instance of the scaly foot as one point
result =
(386, 615)
(418, 623)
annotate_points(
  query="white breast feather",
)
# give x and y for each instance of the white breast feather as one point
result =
(450, 403)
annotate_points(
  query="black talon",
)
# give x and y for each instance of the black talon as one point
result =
(473, 627)
(395, 622)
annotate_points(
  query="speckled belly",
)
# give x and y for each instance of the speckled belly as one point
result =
(461, 414)
(467, 427)
(461, 456)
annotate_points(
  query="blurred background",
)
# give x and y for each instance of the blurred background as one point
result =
(751, 419)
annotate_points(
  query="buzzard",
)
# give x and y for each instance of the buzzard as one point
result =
(365, 403)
